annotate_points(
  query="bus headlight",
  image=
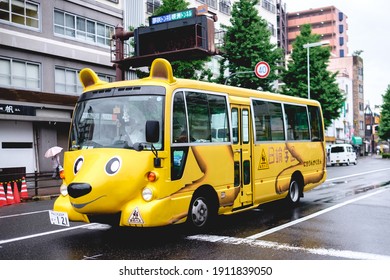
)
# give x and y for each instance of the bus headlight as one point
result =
(147, 194)
(64, 189)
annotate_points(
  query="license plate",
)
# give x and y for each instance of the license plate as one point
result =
(59, 218)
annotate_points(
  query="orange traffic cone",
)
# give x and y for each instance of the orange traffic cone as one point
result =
(10, 195)
(23, 191)
(3, 199)
(16, 193)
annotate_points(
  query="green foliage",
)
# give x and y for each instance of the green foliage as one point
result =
(189, 69)
(323, 85)
(247, 42)
(385, 155)
(384, 123)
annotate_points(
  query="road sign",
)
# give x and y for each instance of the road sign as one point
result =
(262, 69)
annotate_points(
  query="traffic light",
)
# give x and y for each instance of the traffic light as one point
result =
(175, 36)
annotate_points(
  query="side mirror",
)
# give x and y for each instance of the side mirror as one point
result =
(152, 130)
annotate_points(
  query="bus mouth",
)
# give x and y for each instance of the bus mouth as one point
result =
(81, 205)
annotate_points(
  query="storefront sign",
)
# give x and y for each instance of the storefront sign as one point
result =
(11, 109)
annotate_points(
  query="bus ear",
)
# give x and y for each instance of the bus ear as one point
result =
(162, 69)
(88, 78)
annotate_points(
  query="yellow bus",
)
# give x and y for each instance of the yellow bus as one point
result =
(161, 150)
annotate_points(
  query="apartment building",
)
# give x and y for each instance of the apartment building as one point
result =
(329, 22)
(43, 46)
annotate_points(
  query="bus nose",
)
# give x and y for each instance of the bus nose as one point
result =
(76, 190)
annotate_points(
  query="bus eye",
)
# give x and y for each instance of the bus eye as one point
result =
(77, 165)
(113, 166)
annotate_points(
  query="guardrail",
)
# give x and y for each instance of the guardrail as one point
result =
(38, 183)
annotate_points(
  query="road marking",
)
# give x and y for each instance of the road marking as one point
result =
(23, 214)
(44, 233)
(280, 246)
(357, 174)
(316, 214)
(254, 241)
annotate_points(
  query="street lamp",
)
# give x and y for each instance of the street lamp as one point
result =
(308, 46)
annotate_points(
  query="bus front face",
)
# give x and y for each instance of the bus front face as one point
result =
(109, 157)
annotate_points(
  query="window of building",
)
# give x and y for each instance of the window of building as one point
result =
(341, 28)
(225, 6)
(342, 54)
(341, 16)
(361, 125)
(267, 5)
(81, 28)
(67, 80)
(341, 41)
(152, 6)
(25, 13)
(20, 74)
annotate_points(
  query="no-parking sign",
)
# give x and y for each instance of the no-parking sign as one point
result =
(262, 69)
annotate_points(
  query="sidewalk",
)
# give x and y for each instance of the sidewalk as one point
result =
(47, 190)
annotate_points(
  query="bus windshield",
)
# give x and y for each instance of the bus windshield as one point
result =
(116, 122)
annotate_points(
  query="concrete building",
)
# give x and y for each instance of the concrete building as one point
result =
(329, 22)
(353, 67)
(43, 45)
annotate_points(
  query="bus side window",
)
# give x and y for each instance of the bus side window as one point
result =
(297, 122)
(315, 123)
(198, 117)
(268, 121)
(178, 159)
(219, 118)
(179, 120)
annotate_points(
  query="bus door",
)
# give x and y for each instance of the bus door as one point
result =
(242, 155)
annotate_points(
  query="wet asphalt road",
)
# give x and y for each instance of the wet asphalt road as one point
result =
(345, 218)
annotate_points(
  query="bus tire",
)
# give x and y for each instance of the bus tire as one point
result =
(202, 212)
(294, 192)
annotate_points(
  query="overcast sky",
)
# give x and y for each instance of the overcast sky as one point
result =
(368, 30)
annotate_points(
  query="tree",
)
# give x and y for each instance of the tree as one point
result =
(384, 123)
(247, 41)
(323, 85)
(189, 68)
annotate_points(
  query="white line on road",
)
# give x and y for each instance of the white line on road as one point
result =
(44, 233)
(357, 174)
(253, 239)
(316, 214)
(279, 246)
(23, 214)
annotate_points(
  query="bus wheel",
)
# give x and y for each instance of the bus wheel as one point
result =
(294, 192)
(200, 213)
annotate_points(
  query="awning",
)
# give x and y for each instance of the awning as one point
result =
(357, 140)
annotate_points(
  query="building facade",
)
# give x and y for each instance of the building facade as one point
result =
(329, 22)
(43, 46)
(352, 66)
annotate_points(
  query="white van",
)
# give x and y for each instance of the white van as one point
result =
(342, 154)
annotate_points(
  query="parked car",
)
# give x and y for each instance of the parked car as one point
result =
(342, 154)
